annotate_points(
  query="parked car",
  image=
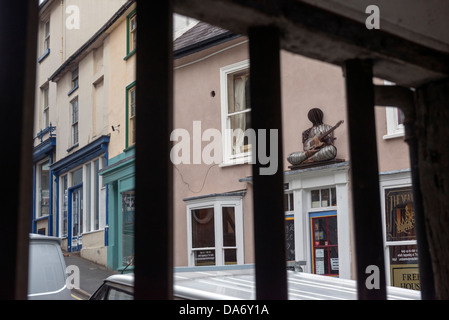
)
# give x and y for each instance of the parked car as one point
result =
(115, 287)
(46, 269)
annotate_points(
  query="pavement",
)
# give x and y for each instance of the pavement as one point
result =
(91, 275)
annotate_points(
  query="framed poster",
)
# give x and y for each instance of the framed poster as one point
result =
(400, 216)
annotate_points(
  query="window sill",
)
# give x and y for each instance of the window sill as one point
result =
(72, 90)
(43, 56)
(398, 134)
(129, 55)
(72, 147)
(238, 161)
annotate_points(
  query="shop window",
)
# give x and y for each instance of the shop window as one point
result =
(289, 226)
(65, 207)
(324, 244)
(44, 189)
(215, 234)
(323, 198)
(401, 238)
(128, 209)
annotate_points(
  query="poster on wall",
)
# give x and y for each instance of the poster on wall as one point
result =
(404, 268)
(400, 217)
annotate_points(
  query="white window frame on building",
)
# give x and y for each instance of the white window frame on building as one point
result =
(216, 253)
(238, 152)
(406, 260)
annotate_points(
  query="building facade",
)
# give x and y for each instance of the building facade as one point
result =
(85, 148)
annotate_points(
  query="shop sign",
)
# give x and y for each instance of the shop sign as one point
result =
(400, 217)
(404, 268)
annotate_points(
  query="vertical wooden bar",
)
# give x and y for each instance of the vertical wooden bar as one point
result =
(370, 266)
(18, 22)
(269, 220)
(404, 99)
(154, 185)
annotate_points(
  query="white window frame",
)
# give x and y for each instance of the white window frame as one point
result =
(228, 158)
(394, 128)
(217, 203)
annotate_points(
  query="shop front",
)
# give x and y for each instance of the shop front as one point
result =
(318, 220)
(401, 251)
(81, 200)
(119, 176)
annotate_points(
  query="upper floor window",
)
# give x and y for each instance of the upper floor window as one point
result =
(45, 108)
(74, 111)
(131, 114)
(131, 38)
(75, 79)
(236, 112)
(46, 37)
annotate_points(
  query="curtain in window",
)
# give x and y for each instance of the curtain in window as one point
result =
(238, 121)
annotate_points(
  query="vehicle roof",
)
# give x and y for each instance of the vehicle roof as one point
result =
(34, 237)
(238, 282)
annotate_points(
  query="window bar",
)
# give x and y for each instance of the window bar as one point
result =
(370, 268)
(154, 98)
(269, 219)
(403, 98)
(17, 80)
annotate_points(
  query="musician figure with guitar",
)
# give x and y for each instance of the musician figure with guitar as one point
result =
(318, 141)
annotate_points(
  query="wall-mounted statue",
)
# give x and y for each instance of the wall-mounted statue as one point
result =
(318, 141)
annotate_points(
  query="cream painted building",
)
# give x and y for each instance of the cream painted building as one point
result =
(71, 125)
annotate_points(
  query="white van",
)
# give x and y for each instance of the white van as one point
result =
(46, 269)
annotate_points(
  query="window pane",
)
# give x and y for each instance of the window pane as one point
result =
(324, 197)
(334, 196)
(204, 257)
(203, 234)
(315, 198)
(77, 177)
(45, 189)
(332, 224)
(238, 92)
(65, 205)
(230, 256)
(127, 227)
(229, 227)
(239, 123)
